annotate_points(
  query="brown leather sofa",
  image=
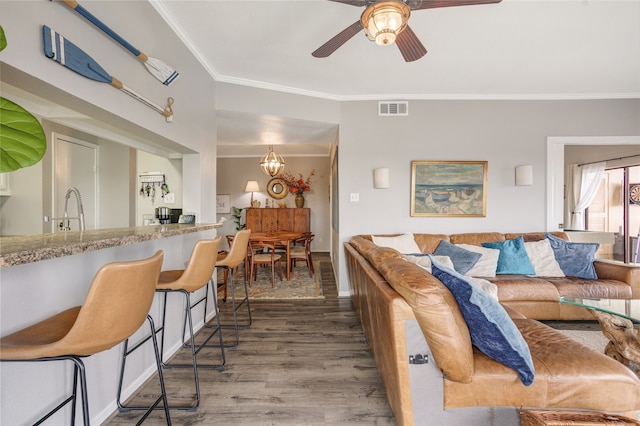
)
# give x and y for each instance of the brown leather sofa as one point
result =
(406, 313)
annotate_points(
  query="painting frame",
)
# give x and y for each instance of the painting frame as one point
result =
(449, 188)
(223, 204)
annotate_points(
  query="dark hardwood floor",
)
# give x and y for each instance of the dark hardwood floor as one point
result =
(303, 362)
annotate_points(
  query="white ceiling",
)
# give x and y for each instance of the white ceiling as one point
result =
(516, 49)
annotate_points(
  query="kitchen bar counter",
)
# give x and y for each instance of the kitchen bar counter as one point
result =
(33, 248)
(43, 275)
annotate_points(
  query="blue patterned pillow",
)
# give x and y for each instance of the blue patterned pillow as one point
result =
(491, 329)
(575, 259)
(513, 257)
(462, 259)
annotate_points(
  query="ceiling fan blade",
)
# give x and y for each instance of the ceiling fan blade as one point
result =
(432, 4)
(338, 40)
(409, 45)
(352, 2)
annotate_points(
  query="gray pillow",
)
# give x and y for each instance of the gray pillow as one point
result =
(462, 259)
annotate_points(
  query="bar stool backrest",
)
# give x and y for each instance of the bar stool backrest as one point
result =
(238, 250)
(200, 266)
(116, 305)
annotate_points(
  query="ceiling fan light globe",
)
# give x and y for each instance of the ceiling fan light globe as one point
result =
(383, 21)
(385, 38)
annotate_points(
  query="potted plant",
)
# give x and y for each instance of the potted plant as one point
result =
(236, 212)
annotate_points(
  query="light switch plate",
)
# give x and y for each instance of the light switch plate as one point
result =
(169, 198)
(354, 197)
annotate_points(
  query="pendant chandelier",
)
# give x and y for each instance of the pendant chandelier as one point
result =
(383, 21)
(272, 163)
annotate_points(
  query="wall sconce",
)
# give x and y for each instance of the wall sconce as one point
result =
(381, 178)
(252, 186)
(524, 175)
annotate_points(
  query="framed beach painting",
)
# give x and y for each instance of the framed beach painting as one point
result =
(449, 188)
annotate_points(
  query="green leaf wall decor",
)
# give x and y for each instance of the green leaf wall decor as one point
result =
(22, 140)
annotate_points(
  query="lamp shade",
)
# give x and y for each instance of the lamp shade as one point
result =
(524, 175)
(381, 178)
(252, 186)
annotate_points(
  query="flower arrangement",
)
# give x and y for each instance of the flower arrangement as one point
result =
(297, 186)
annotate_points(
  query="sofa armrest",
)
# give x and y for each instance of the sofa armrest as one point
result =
(630, 274)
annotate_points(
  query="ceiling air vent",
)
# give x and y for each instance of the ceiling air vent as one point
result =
(393, 108)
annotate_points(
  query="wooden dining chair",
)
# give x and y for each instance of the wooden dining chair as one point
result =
(301, 249)
(264, 253)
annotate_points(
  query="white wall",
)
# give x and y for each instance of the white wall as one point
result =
(233, 174)
(172, 170)
(192, 132)
(504, 133)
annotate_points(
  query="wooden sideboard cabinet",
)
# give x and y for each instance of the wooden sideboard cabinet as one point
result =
(268, 220)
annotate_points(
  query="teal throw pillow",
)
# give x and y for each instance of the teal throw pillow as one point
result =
(492, 330)
(575, 259)
(462, 259)
(513, 257)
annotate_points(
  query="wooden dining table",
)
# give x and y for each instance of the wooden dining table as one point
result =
(280, 237)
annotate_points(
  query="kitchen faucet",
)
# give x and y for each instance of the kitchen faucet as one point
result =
(65, 224)
(80, 217)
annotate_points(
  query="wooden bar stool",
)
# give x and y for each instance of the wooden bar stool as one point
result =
(237, 255)
(116, 305)
(196, 275)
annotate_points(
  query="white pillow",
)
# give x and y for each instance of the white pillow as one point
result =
(425, 261)
(490, 288)
(542, 258)
(488, 263)
(405, 244)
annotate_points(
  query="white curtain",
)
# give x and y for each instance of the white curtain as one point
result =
(583, 184)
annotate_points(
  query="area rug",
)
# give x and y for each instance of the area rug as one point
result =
(301, 286)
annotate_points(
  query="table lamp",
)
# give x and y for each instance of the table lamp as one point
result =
(252, 186)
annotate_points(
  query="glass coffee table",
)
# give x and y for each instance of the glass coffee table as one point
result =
(616, 317)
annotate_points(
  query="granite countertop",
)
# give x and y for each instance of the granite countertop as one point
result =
(33, 248)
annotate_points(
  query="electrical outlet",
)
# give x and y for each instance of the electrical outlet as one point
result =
(354, 197)
(169, 198)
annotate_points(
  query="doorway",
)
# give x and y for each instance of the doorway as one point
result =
(74, 166)
(616, 209)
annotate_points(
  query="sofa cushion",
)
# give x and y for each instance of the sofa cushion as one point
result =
(575, 259)
(424, 261)
(463, 260)
(513, 257)
(405, 243)
(488, 263)
(524, 287)
(437, 313)
(491, 329)
(565, 377)
(543, 259)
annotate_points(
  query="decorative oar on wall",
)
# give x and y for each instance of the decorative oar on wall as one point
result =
(71, 56)
(156, 67)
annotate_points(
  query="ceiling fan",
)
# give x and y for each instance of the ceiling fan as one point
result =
(385, 22)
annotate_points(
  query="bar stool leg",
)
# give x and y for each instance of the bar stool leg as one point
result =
(163, 397)
(78, 372)
(235, 306)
